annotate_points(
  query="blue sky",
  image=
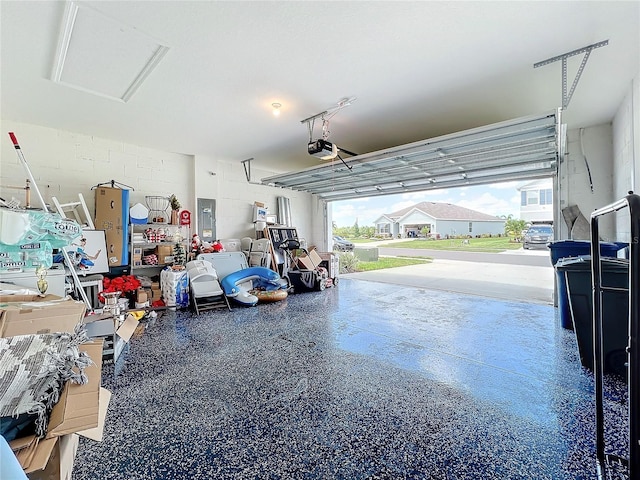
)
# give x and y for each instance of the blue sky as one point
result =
(496, 199)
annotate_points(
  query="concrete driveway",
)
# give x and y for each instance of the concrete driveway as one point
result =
(518, 275)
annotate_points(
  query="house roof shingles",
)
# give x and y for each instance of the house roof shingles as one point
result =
(444, 211)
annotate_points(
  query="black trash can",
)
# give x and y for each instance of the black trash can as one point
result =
(615, 309)
(574, 248)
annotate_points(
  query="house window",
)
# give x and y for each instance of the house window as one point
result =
(545, 197)
(532, 197)
(523, 199)
(470, 227)
(384, 228)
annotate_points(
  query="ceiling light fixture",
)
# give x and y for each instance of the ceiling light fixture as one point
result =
(276, 109)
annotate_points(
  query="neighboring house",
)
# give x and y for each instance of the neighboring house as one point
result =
(444, 219)
(536, 201)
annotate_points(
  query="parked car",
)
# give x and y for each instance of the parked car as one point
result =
(537, 236)
(341, 244)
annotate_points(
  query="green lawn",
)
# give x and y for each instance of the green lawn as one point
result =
(389, 262)
(494, 244)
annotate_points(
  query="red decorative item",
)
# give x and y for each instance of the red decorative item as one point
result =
(196, 244)
(158, 303)
(185, 217)
(124, 284)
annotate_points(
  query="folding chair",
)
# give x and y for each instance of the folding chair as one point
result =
(245, 245)
(260, 255)
(206, 292)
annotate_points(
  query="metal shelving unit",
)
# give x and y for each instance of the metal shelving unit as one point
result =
(148, 246)
(607, 462)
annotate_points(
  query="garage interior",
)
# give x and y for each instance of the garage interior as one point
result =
(369, 379)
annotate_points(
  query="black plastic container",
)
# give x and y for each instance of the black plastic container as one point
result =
(615, 309)
(574, 248)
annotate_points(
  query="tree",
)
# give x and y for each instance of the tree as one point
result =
(514, 226)
(356, 229)
(367, 232)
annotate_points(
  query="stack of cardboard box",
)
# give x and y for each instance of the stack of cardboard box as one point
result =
(81, 409)
(156, 291)
(137, 256)
(164, 254)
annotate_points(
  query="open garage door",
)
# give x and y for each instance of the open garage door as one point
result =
(524, 148)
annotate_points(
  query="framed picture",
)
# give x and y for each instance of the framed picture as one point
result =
(88, 254)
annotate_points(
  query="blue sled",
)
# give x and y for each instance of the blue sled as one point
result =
(262, 277)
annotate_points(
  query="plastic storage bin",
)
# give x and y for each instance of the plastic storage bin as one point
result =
(574, 248)
(615, 309)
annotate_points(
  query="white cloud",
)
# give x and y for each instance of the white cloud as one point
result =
(488, 203)
(400, 205)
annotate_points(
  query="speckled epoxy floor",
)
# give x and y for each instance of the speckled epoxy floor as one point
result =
(362, 381)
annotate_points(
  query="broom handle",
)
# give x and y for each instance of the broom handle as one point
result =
(72, 269)
(26, 167)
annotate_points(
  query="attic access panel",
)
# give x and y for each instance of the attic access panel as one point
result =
(522, 149)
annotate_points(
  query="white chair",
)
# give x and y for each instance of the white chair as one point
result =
(231, 244)
(245, 245)
(260, 255)
(206, 292)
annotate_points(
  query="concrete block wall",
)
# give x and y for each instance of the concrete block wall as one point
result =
(226, 182)
(66, 163)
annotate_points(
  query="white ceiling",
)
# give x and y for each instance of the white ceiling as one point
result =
(418, 70)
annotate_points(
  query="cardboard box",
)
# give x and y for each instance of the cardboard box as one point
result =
(164, 253)
(106, 324)
(26, 298)
(112, 216)
(81, 410)
(141, 296)
(310, 261)
(78, 406)
(53, 458)
(331, 262)
(45, 315)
